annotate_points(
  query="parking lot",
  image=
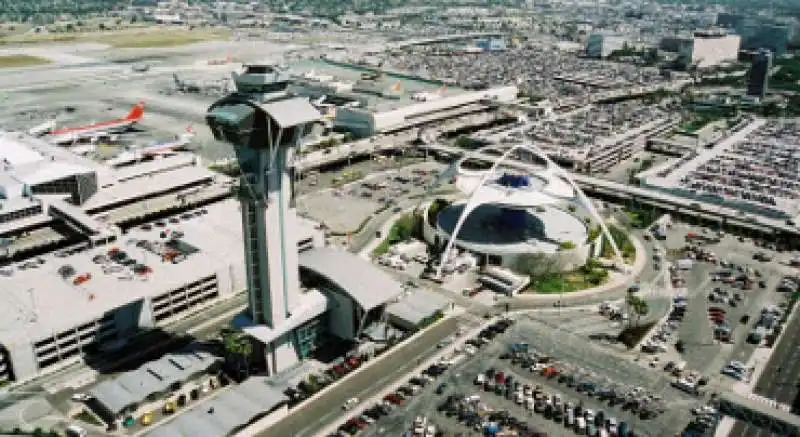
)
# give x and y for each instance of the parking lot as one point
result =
(719, 298)
(344, 208)
(565, 367)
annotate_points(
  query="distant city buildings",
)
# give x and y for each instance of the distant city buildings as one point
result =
(491, 44)
(602, 45)
(759, 74)
(758, 32)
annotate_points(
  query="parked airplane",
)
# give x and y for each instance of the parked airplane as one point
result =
(43, 128)
(223, 61)
(425, 96)
(168, 147)
(199, 86)
(95, 130)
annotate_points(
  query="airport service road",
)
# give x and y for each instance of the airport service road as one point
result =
(311, 416)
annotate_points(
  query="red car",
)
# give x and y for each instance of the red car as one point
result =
(353, 362)
(393, 398)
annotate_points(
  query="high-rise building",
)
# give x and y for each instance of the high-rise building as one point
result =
(264, 126)
(286, 319)
(759, 74)
(602, 45)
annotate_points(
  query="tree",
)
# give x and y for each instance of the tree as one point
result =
(238, 348)
(539, 266)
(637, 306)
(566, 245)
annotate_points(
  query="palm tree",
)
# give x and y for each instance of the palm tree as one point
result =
(637, 306)
(238, 346)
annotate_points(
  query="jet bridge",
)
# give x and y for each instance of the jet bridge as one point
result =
(77, 219)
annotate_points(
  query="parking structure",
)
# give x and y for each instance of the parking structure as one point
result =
(553, 368)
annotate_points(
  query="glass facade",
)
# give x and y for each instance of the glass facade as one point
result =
(308, 337)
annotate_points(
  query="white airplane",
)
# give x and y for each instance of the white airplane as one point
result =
(43, 128)
(168, 147)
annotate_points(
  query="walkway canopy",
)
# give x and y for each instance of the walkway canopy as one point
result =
(365, 283)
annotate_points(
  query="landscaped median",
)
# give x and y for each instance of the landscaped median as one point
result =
(594, 277)
(408, 226)
(547, 276)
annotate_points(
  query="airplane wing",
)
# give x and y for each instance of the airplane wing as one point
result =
(42, 129)
(159, 152)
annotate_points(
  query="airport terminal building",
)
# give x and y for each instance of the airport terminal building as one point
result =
(366, 122)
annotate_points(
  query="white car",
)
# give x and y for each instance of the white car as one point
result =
(350, 403)
(81, 397)
(613, 426)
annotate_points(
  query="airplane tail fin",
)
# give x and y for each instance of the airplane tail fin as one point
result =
(136, 112)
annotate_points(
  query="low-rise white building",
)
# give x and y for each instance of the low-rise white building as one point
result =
(709, 48)
(365, 122)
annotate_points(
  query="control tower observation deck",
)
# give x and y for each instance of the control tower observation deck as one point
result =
(264, 125)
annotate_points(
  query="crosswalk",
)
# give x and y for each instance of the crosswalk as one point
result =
(580, 322)
(769, 402)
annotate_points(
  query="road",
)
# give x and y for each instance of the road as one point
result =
(310, 417)
(782, 375)
(774, 384)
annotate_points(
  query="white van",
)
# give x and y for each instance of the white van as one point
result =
(76, 431)
(580, 425)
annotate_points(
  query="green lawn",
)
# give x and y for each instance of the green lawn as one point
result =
(85, 416)
(698, 122)
(569, 282)
(158, 38)
(407, 226)
(16, 61)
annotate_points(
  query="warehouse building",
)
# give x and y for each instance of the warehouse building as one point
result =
(171, 375)
(252, 404)
(366, 122)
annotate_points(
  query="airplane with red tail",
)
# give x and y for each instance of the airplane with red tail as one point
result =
(93, 131)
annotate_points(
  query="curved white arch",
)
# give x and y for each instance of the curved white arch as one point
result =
(472, 203)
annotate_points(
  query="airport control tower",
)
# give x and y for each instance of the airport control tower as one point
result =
(265, 129)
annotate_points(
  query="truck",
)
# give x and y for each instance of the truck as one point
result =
(685, 264)
(661, 232)
(679, 367)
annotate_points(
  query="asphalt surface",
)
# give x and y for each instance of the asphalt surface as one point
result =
(311, 416)
(780, 378)
(584, 360)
